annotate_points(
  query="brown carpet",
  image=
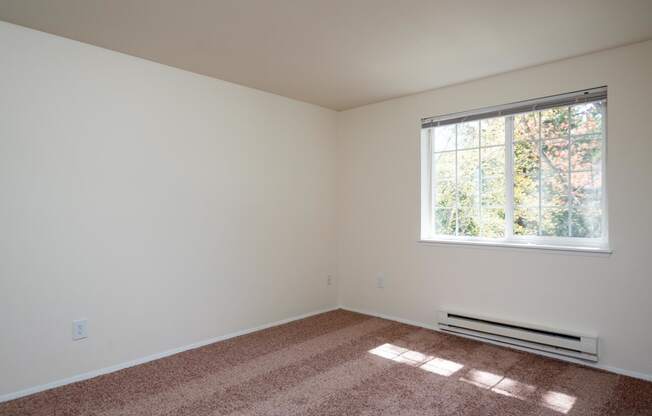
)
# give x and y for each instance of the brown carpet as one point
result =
(343, 363)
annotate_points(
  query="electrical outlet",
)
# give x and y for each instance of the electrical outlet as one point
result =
(329, 280)
(79, 329)
(380, 280)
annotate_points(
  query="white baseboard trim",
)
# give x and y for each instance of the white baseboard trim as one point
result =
(152, 357)
(616, 370)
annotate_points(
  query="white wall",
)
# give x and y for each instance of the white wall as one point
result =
(164, 206)
(378, 215)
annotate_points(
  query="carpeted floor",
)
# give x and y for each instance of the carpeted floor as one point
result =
(343, 363)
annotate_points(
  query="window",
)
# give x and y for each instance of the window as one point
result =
(529, 173)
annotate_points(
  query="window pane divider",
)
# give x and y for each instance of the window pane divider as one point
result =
(432, 206)
(540, 141)
(480, 222)
(603, 167)
(509, 177)
(457, 184)
(569, 202)
(489, 146)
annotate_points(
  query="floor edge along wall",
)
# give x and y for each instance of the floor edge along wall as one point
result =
(106, 370)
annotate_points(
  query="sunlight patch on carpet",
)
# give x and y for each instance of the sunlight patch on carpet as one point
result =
(506, 386)
(560, 402)
(412, 358)
(482, 379)
(513, 388)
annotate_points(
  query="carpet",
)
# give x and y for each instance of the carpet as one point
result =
(345, 363)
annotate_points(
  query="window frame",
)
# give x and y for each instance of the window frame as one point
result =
(427, 188)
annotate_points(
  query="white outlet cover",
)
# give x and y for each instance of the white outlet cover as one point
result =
(79, 329)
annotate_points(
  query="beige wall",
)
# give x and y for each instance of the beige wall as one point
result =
(378, 214)
(164, 206)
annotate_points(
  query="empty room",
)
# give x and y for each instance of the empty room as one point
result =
(325, 207)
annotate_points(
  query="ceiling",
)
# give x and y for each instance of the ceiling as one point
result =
(342, 54)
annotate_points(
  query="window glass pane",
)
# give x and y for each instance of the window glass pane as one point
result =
(555, 123)
(526, 221)
(493, 222)
(493, 161)
(554, 221)
(468, 178)
(444, 165)
(444, 138)
(467, 165)
(526, 126)
(526, 158)
(554, 191)
(587, 118)
(445, 194)
(468, 194)
(587, 188)
(445, 221)
(554, 159)
(586, 222)
(526, 190)
(492, 131)
(493, 191)
(468, 134)
(469, 224)
(586, 154)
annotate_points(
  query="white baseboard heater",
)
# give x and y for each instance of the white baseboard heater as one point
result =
(522, 335)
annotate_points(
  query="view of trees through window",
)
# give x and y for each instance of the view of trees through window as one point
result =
(556, 174)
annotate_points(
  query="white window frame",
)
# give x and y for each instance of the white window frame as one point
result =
(576, 244)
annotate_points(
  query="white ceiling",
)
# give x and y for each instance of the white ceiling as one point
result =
(342, 53)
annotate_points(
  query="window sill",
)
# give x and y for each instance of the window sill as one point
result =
(521, 246)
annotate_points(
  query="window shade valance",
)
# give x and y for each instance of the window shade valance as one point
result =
(578, 97)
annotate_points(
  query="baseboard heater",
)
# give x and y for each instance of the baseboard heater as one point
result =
(522, 335)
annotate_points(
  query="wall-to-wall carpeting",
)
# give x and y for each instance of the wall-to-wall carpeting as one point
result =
(344, 363)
